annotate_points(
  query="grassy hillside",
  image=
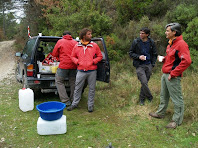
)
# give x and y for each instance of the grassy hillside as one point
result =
(117, 117)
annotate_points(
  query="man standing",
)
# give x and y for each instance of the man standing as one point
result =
(143, 52)
(66, 68)
(176, 61)
(85, 55)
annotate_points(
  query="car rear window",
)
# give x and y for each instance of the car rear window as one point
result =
(27, 51)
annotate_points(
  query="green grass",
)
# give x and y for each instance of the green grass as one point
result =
(117, 117)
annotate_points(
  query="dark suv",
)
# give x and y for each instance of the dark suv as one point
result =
(36, 50)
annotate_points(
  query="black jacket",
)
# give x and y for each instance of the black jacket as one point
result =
(135, 52)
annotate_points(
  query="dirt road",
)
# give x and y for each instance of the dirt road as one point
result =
(7, 59)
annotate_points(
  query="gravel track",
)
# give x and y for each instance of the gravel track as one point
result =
(7, 60)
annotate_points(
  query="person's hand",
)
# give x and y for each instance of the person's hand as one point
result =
(142, 57)
(169, 77)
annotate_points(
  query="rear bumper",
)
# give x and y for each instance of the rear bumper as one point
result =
(44, 83)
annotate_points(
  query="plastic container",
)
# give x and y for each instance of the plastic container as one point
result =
(26, 99)
(50, 111)
(54, 68)
(52, 127)
(44, 69)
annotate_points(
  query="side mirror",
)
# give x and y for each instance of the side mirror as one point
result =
(18, 54)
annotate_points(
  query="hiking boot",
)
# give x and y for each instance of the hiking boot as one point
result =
(90, 109)
(172, 124)
(141, 103)
(71, 107)
(150, 100)
(154, 115)
(68, 103)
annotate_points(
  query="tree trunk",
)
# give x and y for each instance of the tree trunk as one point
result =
(4, 29)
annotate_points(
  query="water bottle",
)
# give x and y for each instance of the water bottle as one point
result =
(26, 99)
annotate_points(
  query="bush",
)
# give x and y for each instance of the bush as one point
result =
(76, 16)
(157, 8)
(194, 55)
(183, 14)
(113, 52)
(130, 10)
(191, 34)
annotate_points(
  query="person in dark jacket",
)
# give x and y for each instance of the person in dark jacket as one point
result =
(63, 50)
(176, 61)
(144, 54)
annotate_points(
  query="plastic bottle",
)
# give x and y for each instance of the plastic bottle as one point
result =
(54, 67)
(26, 99)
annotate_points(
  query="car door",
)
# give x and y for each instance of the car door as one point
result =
(26, 55)
(103, 71)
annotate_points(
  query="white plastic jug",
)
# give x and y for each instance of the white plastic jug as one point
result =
(26, 99)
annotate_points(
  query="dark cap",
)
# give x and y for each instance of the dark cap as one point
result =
(66, 32)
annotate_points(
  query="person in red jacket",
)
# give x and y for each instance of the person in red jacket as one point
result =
(176, 61)
(63, 50)
(86, 54)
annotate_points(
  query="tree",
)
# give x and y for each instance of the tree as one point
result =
(74, 15)
(5, 5)
(32, 18)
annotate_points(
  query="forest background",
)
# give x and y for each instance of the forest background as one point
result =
(117, 21)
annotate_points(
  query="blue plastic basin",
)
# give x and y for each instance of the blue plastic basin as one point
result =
(52, 110)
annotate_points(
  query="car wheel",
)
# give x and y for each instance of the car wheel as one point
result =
(24, 82)
(17, 74)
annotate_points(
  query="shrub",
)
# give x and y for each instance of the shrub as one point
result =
(75, 16)
(129, 10)
(194, 55)
(191, 34)
(157, 8)
(157, 33)
(183, 14)
(113, 52)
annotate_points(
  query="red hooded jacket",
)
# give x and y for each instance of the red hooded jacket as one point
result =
(87, 56)
(63, 50)
(177, 58)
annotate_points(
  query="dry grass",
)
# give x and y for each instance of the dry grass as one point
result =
(117, 117)
(125, 89)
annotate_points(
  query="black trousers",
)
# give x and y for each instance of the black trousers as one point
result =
(143, 73)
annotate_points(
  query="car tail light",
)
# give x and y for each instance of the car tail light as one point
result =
(30, 70)
(37, 82)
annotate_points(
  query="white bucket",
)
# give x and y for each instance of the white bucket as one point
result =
(26, 99)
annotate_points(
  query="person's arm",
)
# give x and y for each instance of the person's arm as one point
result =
(74, 55)
(132, 52)
(55, 51)
(184, 55)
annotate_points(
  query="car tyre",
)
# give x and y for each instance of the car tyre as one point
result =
(24, 82)
(17, 74)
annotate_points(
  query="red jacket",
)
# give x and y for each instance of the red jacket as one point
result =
(177, 58)
(63, 50)
(86, 57)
